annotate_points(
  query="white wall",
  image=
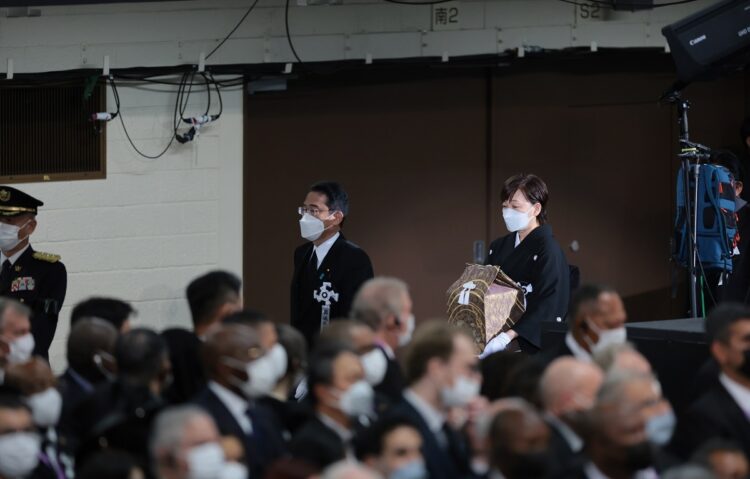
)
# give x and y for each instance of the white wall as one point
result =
(171, 33)
(152, 225)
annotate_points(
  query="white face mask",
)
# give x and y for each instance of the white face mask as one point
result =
(515, 220)
(278, 360)
(311, 227)
(45, 407)
(261, 377)
(358, 400)
(607, 337)
(9, 236)
(375, 365)
(405, 337)
(21, 349)
(19, 454)
(463, 391)
(207, 462)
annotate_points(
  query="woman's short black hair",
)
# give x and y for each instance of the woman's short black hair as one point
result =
(533, 188)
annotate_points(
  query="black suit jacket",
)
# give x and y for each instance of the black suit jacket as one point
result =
(537, 263)
(317, 444)
(558, 350)
(389, 391)
(262, 447)
(187, 367)
(39, 281)
(345, 267)
(73, 393)
(714, 414)
(452, 463)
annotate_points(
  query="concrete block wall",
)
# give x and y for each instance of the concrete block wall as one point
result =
(151, 226)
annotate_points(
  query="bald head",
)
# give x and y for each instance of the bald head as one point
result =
(569, 385)
(89, 337)
(622, 357)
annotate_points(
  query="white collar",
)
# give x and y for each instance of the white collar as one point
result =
(592, 472)
(387, 349)
(434, 418)
(13, 258)
(344, 433)
(578, 352)
(518, 240)
(323, 248)
(574, 440)
(739, 393)
(237, 405)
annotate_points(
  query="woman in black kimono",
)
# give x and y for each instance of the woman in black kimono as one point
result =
(531, 256)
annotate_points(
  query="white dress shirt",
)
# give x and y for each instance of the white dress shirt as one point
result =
(321, 250)
(574, 440)
(236, 405)
(14, 257)
(578, 352)
(739, 393)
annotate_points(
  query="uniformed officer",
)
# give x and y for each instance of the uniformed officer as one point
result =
(36, 279)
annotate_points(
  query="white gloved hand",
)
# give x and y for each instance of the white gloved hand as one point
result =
(498, 343)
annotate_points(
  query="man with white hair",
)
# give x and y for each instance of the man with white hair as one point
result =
(16, 341)
(568, 389)
(384, 304)
(185, 445)
(349, 470)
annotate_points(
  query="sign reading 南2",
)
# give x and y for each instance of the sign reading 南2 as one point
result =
(446, 16)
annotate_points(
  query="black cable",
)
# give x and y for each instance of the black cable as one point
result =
(208, 92)
(406, 2)
(612, 4)
(175, 124)
(289, 34)
(233, 30)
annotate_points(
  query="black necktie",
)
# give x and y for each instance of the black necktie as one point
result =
(5, 273)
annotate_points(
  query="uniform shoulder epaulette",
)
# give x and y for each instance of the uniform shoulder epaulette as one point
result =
(48, 257)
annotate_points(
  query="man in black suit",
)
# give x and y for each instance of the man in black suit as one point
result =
(211, 297)
(723, 411)
(386, 306)
(115, 311)
(340, 396)
(627, 427)
(39, 280)
(596, 319)
(328, 270)
(18, 433)
(119, 413)
(239, 372)
(90, 354)
(568, 390)
(442, 372)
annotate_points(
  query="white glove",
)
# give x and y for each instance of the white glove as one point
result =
(498, 343)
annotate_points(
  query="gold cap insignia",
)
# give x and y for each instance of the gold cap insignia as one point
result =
(4, 195)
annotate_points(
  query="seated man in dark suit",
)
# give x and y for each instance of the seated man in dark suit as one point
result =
(442, 372)
(393, 448)
(112, 310)
(596, 320)
(18, 433)
(91, 346)
(239, 372)
(568, 390)
(211, 298)
(385, 305)
(519, 442)
(723, 411)
(627, 427)
(119, 413)
(339, 395)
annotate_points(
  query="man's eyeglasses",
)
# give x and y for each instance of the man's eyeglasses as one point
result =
(311, 211)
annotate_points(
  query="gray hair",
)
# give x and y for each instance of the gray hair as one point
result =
(8, 303)
(607, 357)
(169, 427)
(378, 298)
(349, 470)
(689, 471)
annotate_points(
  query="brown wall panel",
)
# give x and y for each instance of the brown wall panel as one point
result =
(412, 156)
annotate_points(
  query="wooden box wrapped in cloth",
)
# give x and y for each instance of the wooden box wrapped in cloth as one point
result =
(487, 301)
